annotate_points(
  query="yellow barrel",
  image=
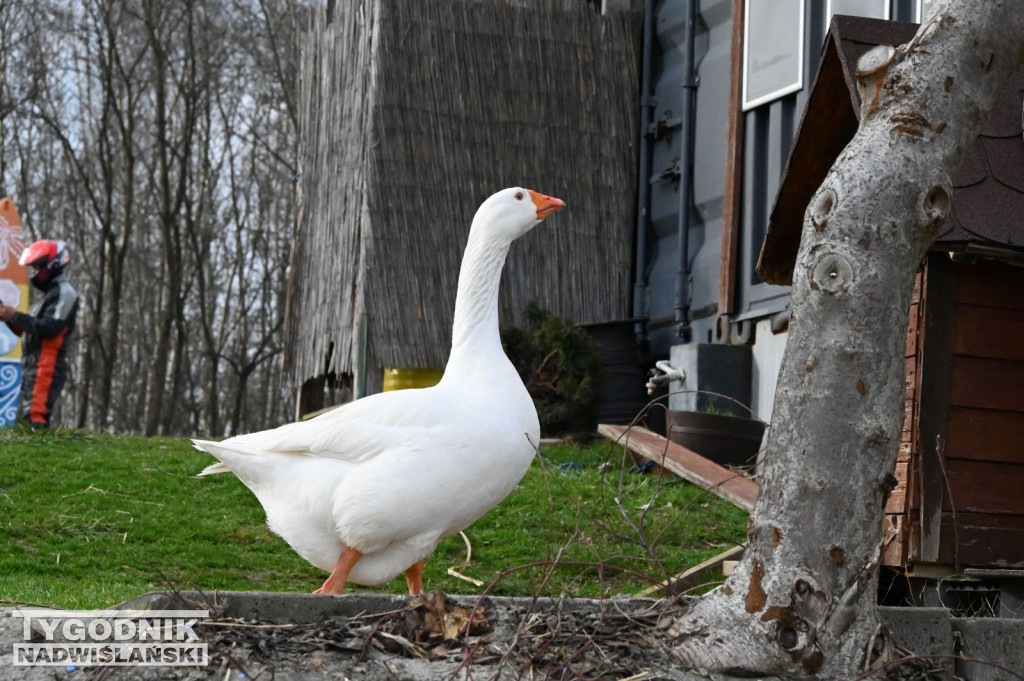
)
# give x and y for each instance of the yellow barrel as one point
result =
(401, 379)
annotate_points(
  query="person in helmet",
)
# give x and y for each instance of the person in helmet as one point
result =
(44, 331)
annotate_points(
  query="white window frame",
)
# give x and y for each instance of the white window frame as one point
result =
(798, 80)
(886, 10)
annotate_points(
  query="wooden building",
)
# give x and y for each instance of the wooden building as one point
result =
(958, 509)
(415, 111)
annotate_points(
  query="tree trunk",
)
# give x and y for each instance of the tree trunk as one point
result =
(174, 134)
(802, 602)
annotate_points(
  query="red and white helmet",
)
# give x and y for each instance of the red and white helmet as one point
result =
(47, 256)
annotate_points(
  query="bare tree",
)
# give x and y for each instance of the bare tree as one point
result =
(116, 64)
(19, 26)
(241, 298)
(801, 604)
(159, 139)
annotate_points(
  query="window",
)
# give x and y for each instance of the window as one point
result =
(923, 8)
(773, 50)
(875, 9)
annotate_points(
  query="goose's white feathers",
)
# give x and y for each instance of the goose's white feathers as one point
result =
(392, 474)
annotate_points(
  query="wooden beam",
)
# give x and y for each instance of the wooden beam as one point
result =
(685, 463)
(934, 376)
(733, 170)
(692, 576)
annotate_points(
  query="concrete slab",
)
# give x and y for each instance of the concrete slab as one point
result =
(374, 637)
(12, 631)
(991, 648)
(926, 631)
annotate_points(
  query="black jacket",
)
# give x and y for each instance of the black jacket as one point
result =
(45, 332)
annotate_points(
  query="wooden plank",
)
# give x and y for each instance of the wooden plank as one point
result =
(908, 420)
(912, 530)
(896, 509)
(914, 484)
(912, 333)
(984, 540)
(990, 332)
(693, 576)
(894, 541)
(990, 283)
(911, 377)
(985, 435)
(937, 295)
(987, 384)
(903, 453)
(984, 487)
(994, 573)
(732, 193)
(897, 501)
(685, 463)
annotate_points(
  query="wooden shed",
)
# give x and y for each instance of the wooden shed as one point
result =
(415, 111)
(958, 509)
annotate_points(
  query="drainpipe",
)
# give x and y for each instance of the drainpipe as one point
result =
(688, 122)
(643, 215)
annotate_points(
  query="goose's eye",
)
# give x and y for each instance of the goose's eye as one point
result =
(519, 196)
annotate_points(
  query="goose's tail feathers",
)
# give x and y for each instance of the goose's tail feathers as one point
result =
(212, 469)
(216, 449)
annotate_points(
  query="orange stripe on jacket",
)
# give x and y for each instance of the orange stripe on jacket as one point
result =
(44, 376)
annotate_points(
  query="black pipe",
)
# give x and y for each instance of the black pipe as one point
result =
(686, 147)
(643, 216)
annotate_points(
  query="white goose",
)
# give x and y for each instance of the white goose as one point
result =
(367, 490)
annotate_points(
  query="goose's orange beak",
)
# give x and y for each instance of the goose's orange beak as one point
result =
(546, 205)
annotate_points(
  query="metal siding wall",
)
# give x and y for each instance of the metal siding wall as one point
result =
(768, 134)
(709, 172)
(713, 56)
(664, 208)
(769, 131)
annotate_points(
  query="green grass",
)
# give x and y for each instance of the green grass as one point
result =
(90, 520)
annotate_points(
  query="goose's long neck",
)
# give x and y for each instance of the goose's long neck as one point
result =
(476, 303)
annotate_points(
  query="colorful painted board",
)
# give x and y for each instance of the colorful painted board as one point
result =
(13, 291)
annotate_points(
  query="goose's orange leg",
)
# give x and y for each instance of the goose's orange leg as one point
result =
(335, 584)
(414, 578)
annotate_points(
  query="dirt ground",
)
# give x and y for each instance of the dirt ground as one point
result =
(370, 637)
(298, 636)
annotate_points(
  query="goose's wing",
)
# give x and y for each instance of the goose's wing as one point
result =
(354, 432)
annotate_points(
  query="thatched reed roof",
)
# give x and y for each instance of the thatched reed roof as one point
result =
(414, 112)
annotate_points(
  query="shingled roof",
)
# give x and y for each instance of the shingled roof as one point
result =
(988, 188)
